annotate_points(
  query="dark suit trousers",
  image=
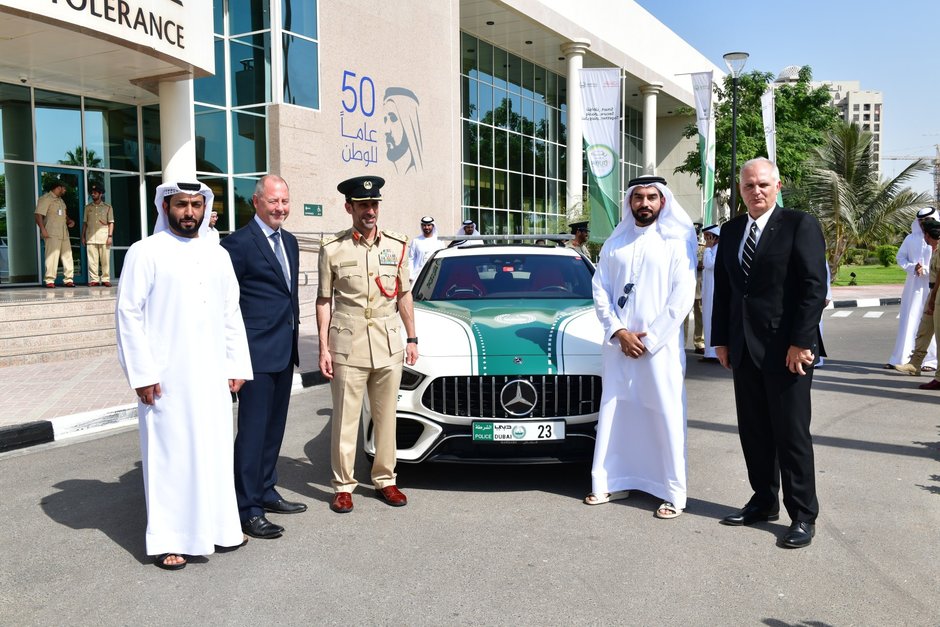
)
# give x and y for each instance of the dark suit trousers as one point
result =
(773, 423)
(262, 416)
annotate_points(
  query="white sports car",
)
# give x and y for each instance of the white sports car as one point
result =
(509, 367)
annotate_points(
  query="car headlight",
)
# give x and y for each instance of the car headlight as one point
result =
(410, 380)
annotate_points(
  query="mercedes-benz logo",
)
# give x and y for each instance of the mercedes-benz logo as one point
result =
(518, 397)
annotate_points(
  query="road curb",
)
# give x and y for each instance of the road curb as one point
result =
(864, 302)
(28, 434)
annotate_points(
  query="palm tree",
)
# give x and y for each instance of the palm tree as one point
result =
(80, 157)
(851, 203)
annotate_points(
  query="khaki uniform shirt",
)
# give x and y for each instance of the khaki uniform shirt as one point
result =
(97, 217)
(583, 249)
(52, 209)
(364, 282)
(933, 271)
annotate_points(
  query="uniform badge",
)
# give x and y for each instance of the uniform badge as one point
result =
(388, 257)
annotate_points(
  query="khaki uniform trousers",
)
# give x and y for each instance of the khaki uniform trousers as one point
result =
(98, 253)
(57, 248)
(347, 387)
(936, 330)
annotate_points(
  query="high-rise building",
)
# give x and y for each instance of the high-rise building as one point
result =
(861, 106)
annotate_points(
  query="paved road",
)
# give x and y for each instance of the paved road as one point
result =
(513, 546)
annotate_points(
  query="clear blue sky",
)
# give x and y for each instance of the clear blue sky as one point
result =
(888, 46)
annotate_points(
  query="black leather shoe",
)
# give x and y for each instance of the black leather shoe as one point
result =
(799, 534)
(281, 506)
(261, 527)
(749, 515)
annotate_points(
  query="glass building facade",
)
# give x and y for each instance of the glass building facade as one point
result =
(513, 117)
(514, 120)
(231, 107)
(46, 135)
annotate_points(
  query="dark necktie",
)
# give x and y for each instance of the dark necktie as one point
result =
(750, 246)
(279, 254)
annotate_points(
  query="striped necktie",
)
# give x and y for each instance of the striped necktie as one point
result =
(750, 246)
(279, 254)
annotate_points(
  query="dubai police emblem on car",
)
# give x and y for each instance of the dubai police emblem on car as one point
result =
(518, 397)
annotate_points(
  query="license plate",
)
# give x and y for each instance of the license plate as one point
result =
(518, 431)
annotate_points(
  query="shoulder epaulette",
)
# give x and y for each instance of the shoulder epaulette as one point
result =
(329, 239)
(400, 237)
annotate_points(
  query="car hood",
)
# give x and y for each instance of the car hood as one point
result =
(510, 336)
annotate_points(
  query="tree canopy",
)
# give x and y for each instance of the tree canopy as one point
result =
(803, 117)
(853, 206)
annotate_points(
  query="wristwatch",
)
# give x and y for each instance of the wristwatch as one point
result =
(412, 340)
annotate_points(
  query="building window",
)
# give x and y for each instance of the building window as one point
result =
(855, 107)
(867, 107)
(513, 127)
(300, 52)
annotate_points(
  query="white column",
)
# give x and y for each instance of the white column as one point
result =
(177, 130)
(649, 92)
(574, 54)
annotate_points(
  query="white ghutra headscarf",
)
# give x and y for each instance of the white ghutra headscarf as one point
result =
(672, 223)
(168, 189)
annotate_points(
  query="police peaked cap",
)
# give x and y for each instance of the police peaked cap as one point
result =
(579, 226)
(362, 188)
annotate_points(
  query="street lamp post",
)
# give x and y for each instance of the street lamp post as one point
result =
(735, 62)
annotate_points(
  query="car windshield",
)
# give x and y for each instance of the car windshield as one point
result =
(498, 275)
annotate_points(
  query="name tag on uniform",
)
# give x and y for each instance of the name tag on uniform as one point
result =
(58, 211)
(388, 257)
(346, 264)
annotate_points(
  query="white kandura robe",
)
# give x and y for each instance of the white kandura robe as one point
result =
(420, 249)
(913, 250)
(641, 429)
(179, 324)
(708, 293)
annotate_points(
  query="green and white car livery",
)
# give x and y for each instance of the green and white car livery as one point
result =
(509, 366)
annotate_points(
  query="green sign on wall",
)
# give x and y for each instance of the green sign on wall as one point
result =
(313, 210)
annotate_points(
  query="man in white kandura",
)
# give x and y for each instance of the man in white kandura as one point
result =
(182, 344)
(643, 290)
(914, 257)
(711, 234)
(422, 247)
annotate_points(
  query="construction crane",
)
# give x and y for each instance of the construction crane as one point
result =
(935, 161)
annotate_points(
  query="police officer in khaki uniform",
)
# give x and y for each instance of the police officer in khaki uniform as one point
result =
(97, 234)
(363, 301)
(581, 234)
(54, 224)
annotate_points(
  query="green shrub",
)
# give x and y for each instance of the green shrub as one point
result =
(887, 254)
(855, 256)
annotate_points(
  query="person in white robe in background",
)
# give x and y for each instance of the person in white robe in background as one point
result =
(423, 246)
(644, 288)
(914, 257)
(182, 344)
(711, 234)
(468, 227)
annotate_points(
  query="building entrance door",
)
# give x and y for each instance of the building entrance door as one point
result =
(75, 200)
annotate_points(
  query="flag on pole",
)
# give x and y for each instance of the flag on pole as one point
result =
(705, 119)
(600, 95)
(768, 112)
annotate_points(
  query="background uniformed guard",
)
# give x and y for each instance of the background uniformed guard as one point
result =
(97, 233)
(364, 298)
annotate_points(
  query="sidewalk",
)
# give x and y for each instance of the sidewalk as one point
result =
(42, 403)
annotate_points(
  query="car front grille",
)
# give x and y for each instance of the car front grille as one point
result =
(479, 396)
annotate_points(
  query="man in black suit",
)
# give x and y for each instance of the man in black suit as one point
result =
(770, 290)
(266, 261)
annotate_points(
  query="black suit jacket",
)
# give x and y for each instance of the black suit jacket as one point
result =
(271, 312)
(781, 302)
